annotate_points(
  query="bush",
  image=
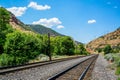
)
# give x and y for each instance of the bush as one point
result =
(116, 63)
(117, 60)
(22, 47)
(20, 60)
(109, 56)
(107, 49)
(99, 50)
(62, 45)
(80, 50)
(67, 46)
(6, 60)
(5, 28)
(117, 72)
(118, 78)
(115, 57)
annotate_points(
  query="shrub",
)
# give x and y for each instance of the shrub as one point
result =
(6, 60)
(117, 60)
(109, 56)
(22, 47)
(107, 49)
(118, 78)
(117, 72)
(80, 49)
(115, 57)
(5, 28)
(62, 45)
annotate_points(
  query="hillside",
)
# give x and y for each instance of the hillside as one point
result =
(17, 24)
(112, 39)
(44, 30)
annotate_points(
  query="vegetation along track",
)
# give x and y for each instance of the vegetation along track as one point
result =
(80, 71)
(8, 69)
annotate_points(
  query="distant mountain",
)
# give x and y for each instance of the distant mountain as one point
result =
(18, 25)
(77, 42)
(112, 39)
(44, 30)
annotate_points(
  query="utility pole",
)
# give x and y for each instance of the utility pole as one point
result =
(49, 51)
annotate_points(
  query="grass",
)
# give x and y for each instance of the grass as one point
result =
(115, 64)
(43, 57)
(117, 72)
(62, 56)
(118, 78)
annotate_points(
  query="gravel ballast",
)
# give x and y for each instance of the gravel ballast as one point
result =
(42, 72)
(101, 70)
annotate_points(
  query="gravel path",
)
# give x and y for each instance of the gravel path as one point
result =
(101, 72)
(42, 72)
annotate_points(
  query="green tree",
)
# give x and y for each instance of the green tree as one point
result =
(55, 45)
(67, 45)
(82, 50)
(116, 49)
(4, 18)
(45, 44)
(107, 49)
(5, 28)
(23, 47)
(62, 45)
(99, 50)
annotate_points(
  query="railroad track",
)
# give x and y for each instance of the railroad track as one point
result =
(80, 71)
(5, 70)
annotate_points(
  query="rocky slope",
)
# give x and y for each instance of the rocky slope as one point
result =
(17, 24)
(112, 39)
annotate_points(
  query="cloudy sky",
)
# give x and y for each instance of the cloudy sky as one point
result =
(84, 20)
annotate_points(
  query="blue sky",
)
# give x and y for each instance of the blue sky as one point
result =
(84, 20)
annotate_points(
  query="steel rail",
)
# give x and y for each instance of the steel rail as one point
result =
(4, 70)
(54, 77)
(86, 69)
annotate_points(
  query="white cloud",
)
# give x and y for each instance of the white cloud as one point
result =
(34, 5)
(48, 22)
(17, 11)
(91, 21)
(60, 27)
